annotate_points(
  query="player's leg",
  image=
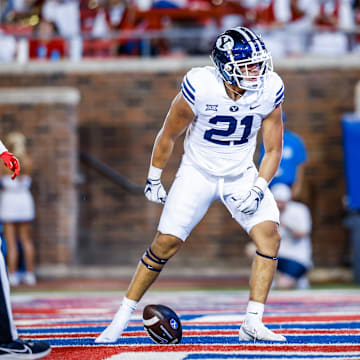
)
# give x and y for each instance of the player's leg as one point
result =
(262, 227)
(8, 331)
(155, 257)
(189, 198)
(267, 241)
(147, 271)
(11, 346)
(29, 252)
(12, 257)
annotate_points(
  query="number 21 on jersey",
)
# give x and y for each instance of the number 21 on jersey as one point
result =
(222, 134)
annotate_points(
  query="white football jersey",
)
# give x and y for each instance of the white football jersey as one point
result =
(222, 138)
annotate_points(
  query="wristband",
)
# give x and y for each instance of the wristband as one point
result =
(261, 183)
(2, 148)
(154, 172)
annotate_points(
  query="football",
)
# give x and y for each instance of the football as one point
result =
(162, 324)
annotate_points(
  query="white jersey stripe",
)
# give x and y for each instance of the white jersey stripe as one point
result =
(186, 96)
(188, 91)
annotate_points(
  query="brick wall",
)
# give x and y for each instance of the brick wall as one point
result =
(48, 118)
(118, 116)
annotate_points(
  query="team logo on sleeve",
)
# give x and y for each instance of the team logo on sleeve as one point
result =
(211, 107)
(225, 42)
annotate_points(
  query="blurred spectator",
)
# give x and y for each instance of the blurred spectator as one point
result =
(7, 47)
(292, 166)
(169, 4)
(103, 17)
(356, 10)
(20, 10)
(333, 19)
(271, 17)
(295, 252)
(143, 5)
(300, 25)
(65, 14)
(16, 213)
(46, 44)
(103, 23)
(242, 13)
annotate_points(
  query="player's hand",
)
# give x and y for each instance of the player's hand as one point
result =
(11, 162)
(154, 191)
(249, 203)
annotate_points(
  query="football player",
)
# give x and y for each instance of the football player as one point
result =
(11, 346)
(221, 108)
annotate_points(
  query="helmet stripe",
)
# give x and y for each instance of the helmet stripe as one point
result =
(258, 43)
(244, 34)
(254, 38)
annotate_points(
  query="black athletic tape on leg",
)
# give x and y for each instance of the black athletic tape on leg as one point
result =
(155, 258)
(149, 266)
(267, 257)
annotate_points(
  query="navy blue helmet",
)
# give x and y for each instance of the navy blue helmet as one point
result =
(241, 58)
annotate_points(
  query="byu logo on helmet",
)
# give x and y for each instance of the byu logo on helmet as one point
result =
(174, 324)
(225, 42)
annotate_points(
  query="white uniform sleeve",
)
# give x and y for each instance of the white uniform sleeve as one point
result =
(188, 88)
(279, 95)
(274, 93)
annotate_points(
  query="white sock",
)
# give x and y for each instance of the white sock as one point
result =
(129, 304)
(254, 311)
(119, 322)
(124, 313)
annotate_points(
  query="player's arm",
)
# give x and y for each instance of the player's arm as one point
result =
(176, 122)
(272, 128)
(272, 131)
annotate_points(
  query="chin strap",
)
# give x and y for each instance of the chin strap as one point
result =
(232, 90)
(267, 257)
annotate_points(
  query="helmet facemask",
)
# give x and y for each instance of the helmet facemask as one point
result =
(248, 74)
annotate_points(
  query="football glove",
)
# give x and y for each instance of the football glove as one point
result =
(11, 162)
(249, 203)
(154, 190)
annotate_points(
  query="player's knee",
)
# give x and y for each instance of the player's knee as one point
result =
(160, 251)
(275, 240)
(270, 243)
(165, 246)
